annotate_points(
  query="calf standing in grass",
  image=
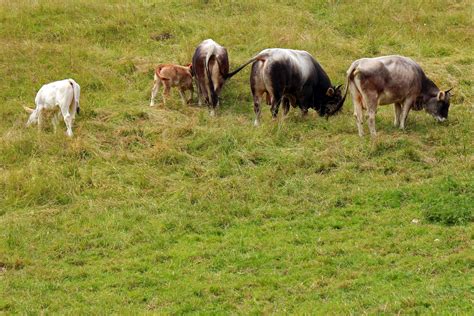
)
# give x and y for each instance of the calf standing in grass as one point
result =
(59, 97)
(393, 79)
(172, 76)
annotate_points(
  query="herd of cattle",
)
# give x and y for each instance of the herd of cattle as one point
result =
(278, 76)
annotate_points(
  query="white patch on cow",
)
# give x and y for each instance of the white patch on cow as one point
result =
(215, 73)
(298, 59)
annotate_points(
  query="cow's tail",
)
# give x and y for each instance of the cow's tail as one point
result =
(350, 74)
(158, 73)
(76, 90)
(231, 74)
(210, 84)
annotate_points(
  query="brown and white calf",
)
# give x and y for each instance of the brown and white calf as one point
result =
(172, 76)
(59, 98)
(393, 79)
(210, 69)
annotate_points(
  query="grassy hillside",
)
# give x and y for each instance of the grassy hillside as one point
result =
(168, 210)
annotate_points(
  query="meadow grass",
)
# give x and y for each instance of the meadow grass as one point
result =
(168, 210)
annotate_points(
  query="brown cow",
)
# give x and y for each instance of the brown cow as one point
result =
(210, 69)
(172, 76)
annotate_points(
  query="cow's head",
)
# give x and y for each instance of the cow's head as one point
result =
(438, 106)
(33, 119)
(333, 101)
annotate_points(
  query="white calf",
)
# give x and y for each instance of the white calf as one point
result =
(63, 94)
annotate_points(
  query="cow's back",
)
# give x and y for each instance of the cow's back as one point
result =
(392, 77)
(55, 93)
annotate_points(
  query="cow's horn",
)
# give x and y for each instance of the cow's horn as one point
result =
(27, 109)
(338, 86)
(448, 90)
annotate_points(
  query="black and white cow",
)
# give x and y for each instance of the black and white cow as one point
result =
(210, 67)
(291, 77)
(393, 79)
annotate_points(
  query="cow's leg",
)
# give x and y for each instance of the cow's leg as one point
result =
(286, 106)
(190, 101)
(198, 91)
(398, 109)
(166, 90)
(268, 98)
(370, 100)
(358, 112)
(199, 95)
(202, 94)
(55, 121)
(276, 100)
(40, 119)
(217, 91)
(405, 109)
(372, 111)
(182, 94)
(68, 120)
(304, 112)
(256, 109)
(154, 90)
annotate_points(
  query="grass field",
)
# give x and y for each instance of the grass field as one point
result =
(168, 210)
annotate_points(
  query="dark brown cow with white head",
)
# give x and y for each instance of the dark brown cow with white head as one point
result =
(393, 79)
(210, 69)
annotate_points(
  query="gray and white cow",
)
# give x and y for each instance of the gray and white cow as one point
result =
(393, 79)
(210, 67)
(291, 77)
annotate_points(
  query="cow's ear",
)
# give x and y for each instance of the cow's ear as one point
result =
(330, 92)
(441, 96)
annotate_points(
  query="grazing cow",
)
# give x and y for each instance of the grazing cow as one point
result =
(291, 77)
(59, 97)
(393, 79)
(172, 76)
(210, 69)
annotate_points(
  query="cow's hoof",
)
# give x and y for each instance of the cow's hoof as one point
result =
(212, 113)
(256, 123)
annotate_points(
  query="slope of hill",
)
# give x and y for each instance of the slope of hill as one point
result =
(168, 210)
